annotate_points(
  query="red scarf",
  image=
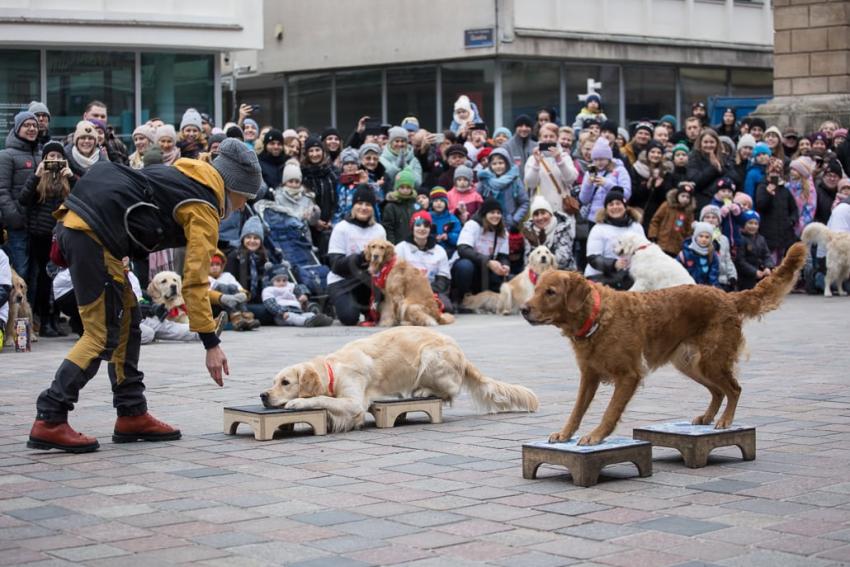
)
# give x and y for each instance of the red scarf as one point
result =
(380, 279)
(589, 326)
(175, 312)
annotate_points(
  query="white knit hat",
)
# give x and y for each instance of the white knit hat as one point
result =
(540, 203)
(291, 171)
(192, 118)
(165, 131)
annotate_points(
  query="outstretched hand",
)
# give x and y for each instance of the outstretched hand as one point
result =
(216, 362)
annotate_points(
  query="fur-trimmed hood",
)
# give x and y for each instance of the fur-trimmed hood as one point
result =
(631, 212)
(673, 202)
(641, 165)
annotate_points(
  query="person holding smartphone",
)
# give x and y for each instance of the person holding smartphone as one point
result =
(778, 210)
(550, 172)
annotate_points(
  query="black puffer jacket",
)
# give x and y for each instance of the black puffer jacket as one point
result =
(40, 221)
(779, 215)
(17, 162)
(703, 174)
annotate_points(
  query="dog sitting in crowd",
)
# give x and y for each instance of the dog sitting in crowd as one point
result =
(166, 288)
(619, 337)
(837, 245)
(649, 266)
(514, 293)
(19, 308)
(407, 295)
(405, 362)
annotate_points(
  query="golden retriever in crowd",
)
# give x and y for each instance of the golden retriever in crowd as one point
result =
(619, 337)
(404, 361)
(408, 297)
(837, 245)
(19, 308)
(166, 288)
(514, 293)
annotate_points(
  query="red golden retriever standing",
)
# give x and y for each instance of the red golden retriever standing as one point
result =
(619, 337)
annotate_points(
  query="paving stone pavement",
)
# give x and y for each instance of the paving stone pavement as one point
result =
(442, 494)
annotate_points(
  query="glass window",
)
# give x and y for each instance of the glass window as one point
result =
(577, 77)
(20, 75)
(473, 79)
(309, 101)
(358, 93)
(269, 101)
(173, 82)
(752, 82)
(699, 84)
(413, 91)
(650, 92)
(75, 78)
(528, 85)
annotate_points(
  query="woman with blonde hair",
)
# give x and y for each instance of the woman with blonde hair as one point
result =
(705, 166)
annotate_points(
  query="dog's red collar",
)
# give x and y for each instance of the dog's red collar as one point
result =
(643, 246)
(590, 324)
(330, 370)
(532, 275)
(380, 279)
(175, 312)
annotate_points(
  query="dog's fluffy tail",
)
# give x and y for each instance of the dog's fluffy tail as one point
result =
(492, 396)
(816, 233)
(770, 291)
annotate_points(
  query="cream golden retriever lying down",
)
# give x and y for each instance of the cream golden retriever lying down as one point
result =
(404, 361)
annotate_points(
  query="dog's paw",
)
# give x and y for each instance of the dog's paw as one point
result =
(701, 420)
(590, 439)
(559, 437)
(723, 424)
(298, 404)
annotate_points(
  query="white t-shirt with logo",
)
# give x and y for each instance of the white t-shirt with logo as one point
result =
(473, 234)
(432, 263)
(348, 238)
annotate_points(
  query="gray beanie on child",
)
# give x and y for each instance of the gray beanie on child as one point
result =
(463, 171)
(238, 167)
(253, 226)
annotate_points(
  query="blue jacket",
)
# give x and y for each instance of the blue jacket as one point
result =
(446, 223)
(704, 269)
(755, 175)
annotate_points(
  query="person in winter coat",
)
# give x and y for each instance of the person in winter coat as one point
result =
(727, 275)
(400, 206)
(370, 158)
(42, 115)
(456, 156)
(650, 180)
(680, 154)
(351, 177)
(465, 114)
(757, 169)
(446, 226)
(166, 139)
(83, 152)
(247, 263)
(501, 181)
(613, 221)
(421, 250)
(753, 260)
(550, 173)
(320, 179)
(464, 198)
(779, 212)
(481, 260)
(398, 155)
(332, 142)
(599, 179)
(802, 188)
(592, 109)
(705, 166)
(737, 166)
(17, 162)
(699, 257)
(349, 283)
(640, 142)
(142, 140)
(287, 301)
(671, 224)
(827, 189)
(43, 193)
(272, 158)
(552, 229)
(191, 140)
(521, 144)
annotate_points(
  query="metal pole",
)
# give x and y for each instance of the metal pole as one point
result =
(438, 84)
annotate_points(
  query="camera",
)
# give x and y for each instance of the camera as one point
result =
(546, 146)
(592, 170)
(773, 180)
(349, 178)
(55, 164)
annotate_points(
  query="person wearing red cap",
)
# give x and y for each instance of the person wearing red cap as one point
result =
(421, 250)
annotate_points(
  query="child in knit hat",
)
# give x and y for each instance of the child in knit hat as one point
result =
(401, 204)
(502, 181)
(752, 261)
(727, 276)
(227, 295)
(352, 176)
(288, 302)
(730, 212)
(842, 192)
(757, 170)
(699, 256)
(247, 262)
(671, 223)
(446, 226)
(680, 164)
(464, 198)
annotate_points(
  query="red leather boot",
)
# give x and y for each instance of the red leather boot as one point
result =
(46, 436)
(143, 427)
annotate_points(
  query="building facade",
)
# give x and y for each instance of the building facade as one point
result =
(327, 62)
(143, 59)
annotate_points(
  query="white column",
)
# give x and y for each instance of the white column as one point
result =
(333, 100)
(730, 19)
(384, 99)
(438, 84)
(497, 95)
(562, 99)
(689, 18)
(217, 111)
(43, 77)
(767, 18)
(137, 88)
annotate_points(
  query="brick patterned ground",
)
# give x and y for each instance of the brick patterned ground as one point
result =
(447, 494)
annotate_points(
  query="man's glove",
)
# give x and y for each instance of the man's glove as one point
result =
(232, 300)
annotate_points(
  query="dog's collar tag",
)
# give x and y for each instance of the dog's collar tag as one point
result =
(590, 325)
(330, 379)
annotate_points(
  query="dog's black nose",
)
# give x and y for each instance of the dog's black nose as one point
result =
(524, 311)
(264, 397)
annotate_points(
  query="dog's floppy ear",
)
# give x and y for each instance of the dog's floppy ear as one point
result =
(389, 251)
(576, 292)
(153, 290)
(309, 384)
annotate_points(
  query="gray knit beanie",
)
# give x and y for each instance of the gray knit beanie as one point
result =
(253, 226)
(463, 171)
(366, 148)
(238, 167)
(38, 108)
(397, 132)
(349, 155)
(22, 117)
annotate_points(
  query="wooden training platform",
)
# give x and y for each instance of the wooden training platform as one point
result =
(265, 421)
(695, 442)
(585, 462)
(386, 412)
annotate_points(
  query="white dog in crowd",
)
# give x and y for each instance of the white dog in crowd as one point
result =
(649, 266)
(837, 246)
